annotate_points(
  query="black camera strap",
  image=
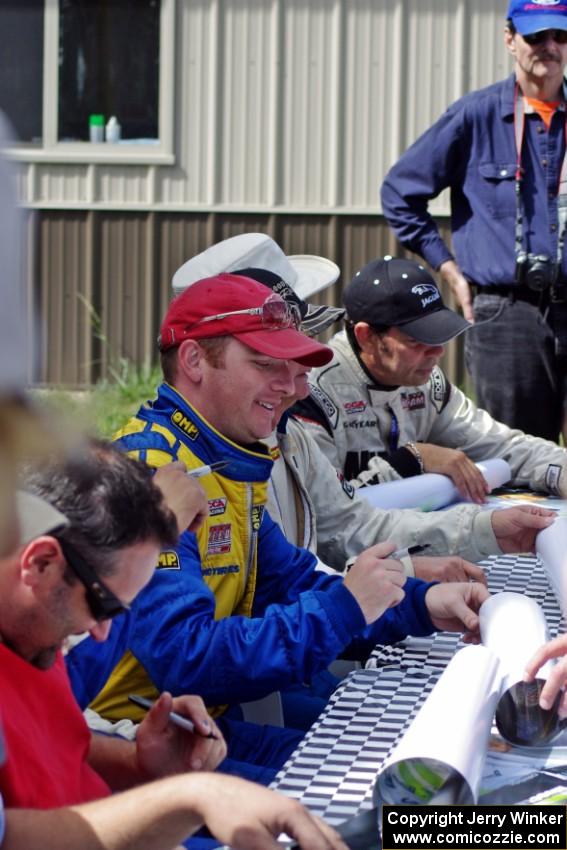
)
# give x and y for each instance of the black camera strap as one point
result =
(519, 120)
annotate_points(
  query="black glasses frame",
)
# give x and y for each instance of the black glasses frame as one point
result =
(102, 602)
(558, 36)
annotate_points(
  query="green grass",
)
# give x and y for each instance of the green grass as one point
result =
(105, 408)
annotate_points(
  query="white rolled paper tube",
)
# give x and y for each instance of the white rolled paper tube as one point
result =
(430, 491)
(513, 627)
(449, 735)
(551, 548)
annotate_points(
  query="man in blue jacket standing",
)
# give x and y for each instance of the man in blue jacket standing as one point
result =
(501, 151)
(234, 610)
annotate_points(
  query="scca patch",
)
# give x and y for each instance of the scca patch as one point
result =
(413, 401)
(256, 517)
(217, 506)
(168, 560)
(181, 421)
(220, 539)
(352, 407)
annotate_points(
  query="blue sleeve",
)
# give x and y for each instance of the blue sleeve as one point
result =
(90, 662)
(301, 620)
(434, 162)
(410, 617)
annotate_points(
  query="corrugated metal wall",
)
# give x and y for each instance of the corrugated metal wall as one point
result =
(102, 279)
(288, 113)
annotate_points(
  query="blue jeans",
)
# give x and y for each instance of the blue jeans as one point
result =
(519, 377)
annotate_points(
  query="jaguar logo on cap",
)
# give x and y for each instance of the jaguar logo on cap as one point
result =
(429, 290)
(424, 288)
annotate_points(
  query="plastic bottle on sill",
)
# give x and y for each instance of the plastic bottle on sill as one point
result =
(96, 128)
(113, 129)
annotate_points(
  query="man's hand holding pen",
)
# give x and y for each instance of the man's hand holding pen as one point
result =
(376, 580)
(163, 748)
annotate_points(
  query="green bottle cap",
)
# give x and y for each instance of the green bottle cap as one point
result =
(96, 120)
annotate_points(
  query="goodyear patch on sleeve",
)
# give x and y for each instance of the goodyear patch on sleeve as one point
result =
(168, 560)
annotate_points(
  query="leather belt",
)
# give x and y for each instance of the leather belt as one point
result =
(516, 293)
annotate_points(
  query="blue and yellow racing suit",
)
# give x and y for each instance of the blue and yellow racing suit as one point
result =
(235, 611)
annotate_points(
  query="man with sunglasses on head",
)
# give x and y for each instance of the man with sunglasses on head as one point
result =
(234, 611)
(77, 571)
(501, 151)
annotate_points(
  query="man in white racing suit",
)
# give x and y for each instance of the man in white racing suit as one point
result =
(384, 410)
(314, 506)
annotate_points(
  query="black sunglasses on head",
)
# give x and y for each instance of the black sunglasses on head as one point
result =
(558, 36)
(102, 602)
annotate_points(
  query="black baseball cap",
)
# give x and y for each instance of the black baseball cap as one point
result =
(392, 292)
(314, 318)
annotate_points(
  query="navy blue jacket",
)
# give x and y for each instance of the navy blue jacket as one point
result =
(299, 619)
(471, 150)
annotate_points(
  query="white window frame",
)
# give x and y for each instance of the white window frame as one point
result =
(52, 150)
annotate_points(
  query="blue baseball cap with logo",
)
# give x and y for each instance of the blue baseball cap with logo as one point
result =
(529, 16)
(393, 292)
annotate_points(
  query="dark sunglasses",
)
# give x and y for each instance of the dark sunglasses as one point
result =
(558, 36)
(102, 602)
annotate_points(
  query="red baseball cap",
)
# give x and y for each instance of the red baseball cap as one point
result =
(216, 300)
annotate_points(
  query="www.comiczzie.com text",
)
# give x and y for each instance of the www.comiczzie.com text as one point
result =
(464, 827)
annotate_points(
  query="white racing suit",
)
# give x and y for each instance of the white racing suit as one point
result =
(317, 509)
(363, 428)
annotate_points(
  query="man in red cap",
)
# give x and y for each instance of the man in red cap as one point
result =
(235, 612)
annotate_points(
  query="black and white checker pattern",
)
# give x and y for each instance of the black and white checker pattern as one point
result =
(515, 573)
(334, 768)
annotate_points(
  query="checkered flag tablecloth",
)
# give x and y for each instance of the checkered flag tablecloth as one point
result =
(514, 573)
(334, 768)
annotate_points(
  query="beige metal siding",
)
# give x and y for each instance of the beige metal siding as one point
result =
(102, 281)
(294, 105)
(288, 114)
(64, 285)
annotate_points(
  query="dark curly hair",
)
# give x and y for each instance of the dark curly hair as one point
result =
(110, 500)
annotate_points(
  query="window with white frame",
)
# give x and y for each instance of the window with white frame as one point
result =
(73, 68)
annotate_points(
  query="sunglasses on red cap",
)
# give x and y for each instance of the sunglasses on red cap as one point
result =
(275, 314)
(558, 36)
